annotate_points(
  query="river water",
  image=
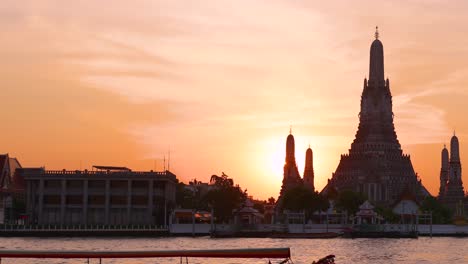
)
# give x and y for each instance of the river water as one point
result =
(422, 250)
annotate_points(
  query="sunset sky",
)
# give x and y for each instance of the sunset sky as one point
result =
(219, 83)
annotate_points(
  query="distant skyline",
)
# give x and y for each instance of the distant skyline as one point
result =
(219, 83)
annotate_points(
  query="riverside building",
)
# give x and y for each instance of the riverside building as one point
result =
(104, 196)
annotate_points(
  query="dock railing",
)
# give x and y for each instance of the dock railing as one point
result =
(85, 228)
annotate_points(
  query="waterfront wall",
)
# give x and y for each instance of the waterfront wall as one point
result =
(206, 229)
(198, 229)
(443, 230)
(317, 228)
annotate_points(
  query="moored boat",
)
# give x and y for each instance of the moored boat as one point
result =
(259, 253)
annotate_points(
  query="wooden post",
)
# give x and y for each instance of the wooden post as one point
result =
(107, 203)
(165, 212)
(193, 222)
(212, 220)
(327, 221)
(303, 221)
(431, 224)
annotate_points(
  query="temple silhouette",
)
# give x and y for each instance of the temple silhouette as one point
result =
(451, 191)
(375, 164)
(291, 176)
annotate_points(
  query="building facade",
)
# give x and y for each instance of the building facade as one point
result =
(11, 190)
(107, 196)
(375, 164)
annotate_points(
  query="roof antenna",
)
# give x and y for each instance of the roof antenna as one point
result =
(164, 162)
(376, 32)
(169, 160)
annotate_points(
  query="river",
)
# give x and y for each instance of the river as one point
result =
(422, 250)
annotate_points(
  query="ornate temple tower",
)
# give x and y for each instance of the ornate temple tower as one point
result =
(309, 170)
(444, 171)
(376, 165)
(454, 192)
(291, 176)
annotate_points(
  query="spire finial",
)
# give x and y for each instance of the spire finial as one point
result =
(290, 130)
(454, 132)
(376, 32)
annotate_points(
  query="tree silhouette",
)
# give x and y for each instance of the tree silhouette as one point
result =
(224, 197)
(440, 213)
(350, 201)
(304, 199)
(271, 200)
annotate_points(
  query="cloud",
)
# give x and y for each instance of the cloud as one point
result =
(220, 76)
(419, 123)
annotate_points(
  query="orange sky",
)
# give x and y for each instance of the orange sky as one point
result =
(219, 83)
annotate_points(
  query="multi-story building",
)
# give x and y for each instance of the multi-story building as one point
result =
(105, 196)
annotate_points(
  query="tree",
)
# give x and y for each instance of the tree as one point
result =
(185, 198)
(260, 207)
(190, 196)
(350, 201)
(224, 197)
(222, 180)
(271, 200)
(387, 214)
(440, 213)
(302, 198)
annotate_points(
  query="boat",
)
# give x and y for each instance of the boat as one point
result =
(330, 259)
(260, 253)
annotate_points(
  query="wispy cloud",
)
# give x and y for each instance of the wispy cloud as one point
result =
(214, 80)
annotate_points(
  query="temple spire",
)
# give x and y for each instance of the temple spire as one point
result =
(290, 157)
(445, 159)
(454, 149)
(309, 170)
(376, 67)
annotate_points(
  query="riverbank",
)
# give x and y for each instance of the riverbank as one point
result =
(360, 250)
(219, 231)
